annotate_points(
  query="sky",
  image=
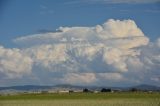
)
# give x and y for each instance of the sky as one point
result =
(79, 42)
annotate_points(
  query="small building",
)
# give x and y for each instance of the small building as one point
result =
(63, 91)
(78, 91)
(96, 91)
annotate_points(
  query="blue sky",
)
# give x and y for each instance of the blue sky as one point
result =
(23, 17)
(79, 42)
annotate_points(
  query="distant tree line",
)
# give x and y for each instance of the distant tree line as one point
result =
(110, 90)
(102, 90)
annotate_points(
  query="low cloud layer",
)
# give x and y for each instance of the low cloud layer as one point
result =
(116, 52)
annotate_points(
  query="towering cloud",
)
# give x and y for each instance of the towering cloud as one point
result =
(14, 63)
(114, 51)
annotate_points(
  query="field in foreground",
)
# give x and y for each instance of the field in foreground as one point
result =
(82, 99)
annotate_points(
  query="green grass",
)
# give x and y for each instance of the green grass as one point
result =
(57, 96)
(82, 99)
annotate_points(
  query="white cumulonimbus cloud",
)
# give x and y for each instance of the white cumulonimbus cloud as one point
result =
(14, 63)
(114, 51)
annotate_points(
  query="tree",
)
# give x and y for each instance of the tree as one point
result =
(71, 91)
(134, 90)
(85, 90)
(105, 90)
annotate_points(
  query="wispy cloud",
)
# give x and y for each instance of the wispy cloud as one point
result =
(132, 1)
(45, 30)
(45, 10)
(152, 11)
(124, 1)
(114, 1)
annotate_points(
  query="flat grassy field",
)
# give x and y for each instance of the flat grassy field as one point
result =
(82, 99)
